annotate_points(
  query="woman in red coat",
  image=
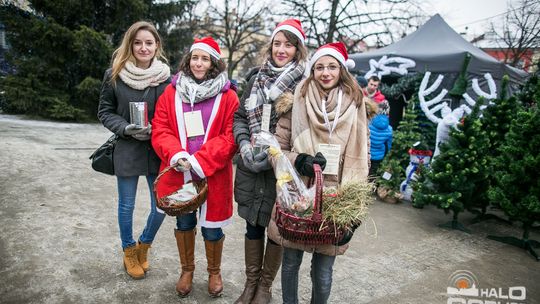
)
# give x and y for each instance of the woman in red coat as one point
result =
(192, 127)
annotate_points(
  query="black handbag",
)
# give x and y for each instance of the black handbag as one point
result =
(102, 158)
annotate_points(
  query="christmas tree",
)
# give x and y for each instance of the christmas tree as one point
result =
(392, 169)
(516, 188)
(457, 171)
(530, 93)
(496, 121)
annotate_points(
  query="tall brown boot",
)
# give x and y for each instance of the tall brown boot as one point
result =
(253, 257)
(272, 262)
(142, 255)
(131, 263)
(213, 257)
(185, 241)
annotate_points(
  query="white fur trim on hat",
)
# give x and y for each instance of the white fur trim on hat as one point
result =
(289, 28)
(205, 47)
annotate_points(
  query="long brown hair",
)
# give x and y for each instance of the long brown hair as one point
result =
(125, 51)
(346, 81)
(301, 50)
(217, 67)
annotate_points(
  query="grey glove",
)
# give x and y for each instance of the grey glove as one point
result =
(246, 151)
(141, 136)
(134, 129)
(182, 165)
(261, 162)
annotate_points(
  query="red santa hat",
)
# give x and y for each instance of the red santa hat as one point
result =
(293, 26)
(207, 44)
(336, 50)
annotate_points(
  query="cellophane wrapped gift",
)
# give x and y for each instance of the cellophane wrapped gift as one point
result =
(292, 194)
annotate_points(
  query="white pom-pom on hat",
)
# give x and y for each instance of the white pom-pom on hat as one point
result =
(349, 64)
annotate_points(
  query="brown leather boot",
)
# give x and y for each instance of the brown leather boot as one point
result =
(272, 262)
(185, 241)
(142, 255)
(131, 263)
(253, 257)
(213, 257)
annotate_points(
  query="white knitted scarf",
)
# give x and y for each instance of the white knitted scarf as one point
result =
(140, 79)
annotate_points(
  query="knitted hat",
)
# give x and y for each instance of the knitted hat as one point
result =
(336, 50)
(294, 26)
(207, 44)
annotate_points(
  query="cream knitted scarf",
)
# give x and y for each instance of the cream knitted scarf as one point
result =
(140, 79)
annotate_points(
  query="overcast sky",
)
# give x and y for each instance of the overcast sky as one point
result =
(473, 14)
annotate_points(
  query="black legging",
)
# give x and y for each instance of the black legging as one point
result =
(256, 233)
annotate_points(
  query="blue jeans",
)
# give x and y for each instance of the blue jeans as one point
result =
(321, 276)
(188, 222)
(127, 190)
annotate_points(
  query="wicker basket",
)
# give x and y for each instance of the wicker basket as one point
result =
(309, 231)
(177, 208)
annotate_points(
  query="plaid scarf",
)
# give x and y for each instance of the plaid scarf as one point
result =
(270, 83)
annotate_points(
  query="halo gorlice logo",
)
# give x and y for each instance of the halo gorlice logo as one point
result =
(464, 289)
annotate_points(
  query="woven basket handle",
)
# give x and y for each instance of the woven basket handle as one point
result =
(162, 173)
(317, 208)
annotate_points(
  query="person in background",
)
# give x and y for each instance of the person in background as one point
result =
(372, 92)
(362, 82)
(200, 95)
(255, 183)
(139, 72)
(381, 142)
(328, 109)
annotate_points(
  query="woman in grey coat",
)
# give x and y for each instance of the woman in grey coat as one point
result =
(255, 184)
(137, 74)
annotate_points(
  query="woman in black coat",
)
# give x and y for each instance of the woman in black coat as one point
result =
(137, 74)
(255, 184)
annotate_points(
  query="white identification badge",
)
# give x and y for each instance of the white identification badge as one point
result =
(265, 123)
(332, 154)
(387, 175)
(194, 123)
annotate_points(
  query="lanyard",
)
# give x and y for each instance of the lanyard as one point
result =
(192, 95)
(336, 116)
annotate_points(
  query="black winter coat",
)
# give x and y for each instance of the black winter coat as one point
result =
(255, 193)
(131, 157)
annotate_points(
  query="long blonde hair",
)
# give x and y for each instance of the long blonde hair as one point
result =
(125, 51)
(346, 81)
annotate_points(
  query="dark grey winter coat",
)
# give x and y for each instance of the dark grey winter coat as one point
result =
(131, 156)
(255, 193)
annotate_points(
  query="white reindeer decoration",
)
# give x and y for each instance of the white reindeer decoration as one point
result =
(450, 118)
(385, 66)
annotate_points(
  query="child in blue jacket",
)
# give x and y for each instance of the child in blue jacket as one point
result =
(381, 141)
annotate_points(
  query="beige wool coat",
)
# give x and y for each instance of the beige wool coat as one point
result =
(284, 131)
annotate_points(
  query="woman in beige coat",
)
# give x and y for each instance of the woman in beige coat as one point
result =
(330, 129)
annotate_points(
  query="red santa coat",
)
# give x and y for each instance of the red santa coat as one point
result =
(212, 161)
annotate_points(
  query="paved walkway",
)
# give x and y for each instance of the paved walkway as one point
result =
(60, 243)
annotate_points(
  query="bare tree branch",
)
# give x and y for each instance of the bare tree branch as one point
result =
(353, 21)
(238, 25)
(520, 31)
